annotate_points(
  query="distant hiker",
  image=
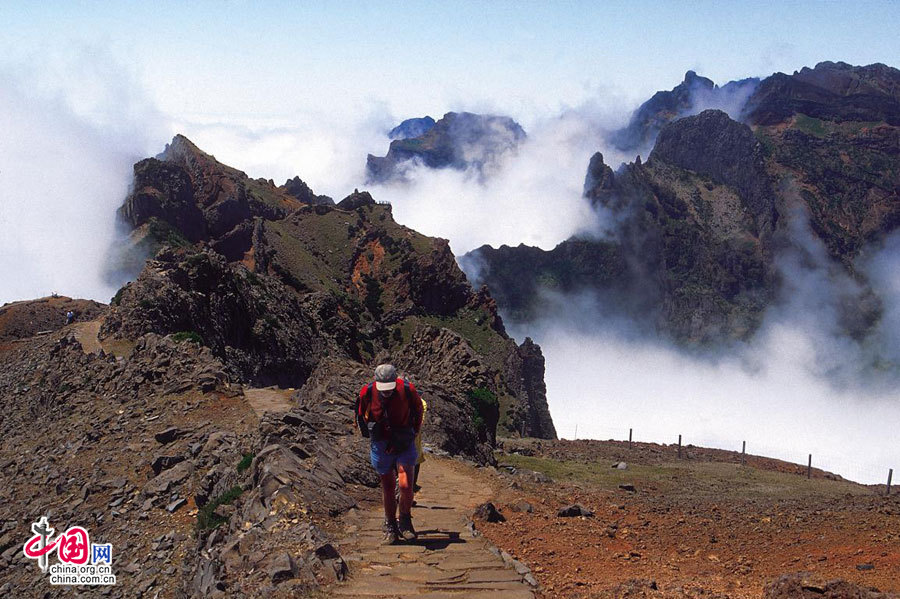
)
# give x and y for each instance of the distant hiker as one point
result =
(70, 317)
(421, 456)
(389, 411)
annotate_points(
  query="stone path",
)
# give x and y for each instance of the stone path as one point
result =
(269, 399)
(86, 334)
(446, 562)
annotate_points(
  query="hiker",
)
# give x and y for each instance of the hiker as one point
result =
(420, 452)
(389, 412)
(70, 317)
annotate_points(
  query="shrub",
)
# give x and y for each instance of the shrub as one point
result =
(207, 519)
(117, 298)
(485, 403)
(188, 336)
(245, 462)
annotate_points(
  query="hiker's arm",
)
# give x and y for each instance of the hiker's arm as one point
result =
(362, 406)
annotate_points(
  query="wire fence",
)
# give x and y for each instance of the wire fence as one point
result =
(838, 463)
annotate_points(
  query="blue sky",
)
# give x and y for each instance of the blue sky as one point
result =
(262, 59)
(279, 89)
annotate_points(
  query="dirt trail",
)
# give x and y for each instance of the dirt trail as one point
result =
(446, 561)
(269, 399)
(86, 334)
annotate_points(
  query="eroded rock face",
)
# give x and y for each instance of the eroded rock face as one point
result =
(525, 371)
(830, 91)
(712, 145)
(253, 324)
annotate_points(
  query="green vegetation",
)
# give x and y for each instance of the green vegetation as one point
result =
(687, 478)
(475, 326)
(245, 462)
(485, 403)
(190, 336)
(207, 519)
(162, 233)
(117, 298)
(810, 125)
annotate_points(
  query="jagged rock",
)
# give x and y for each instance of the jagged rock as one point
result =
(168, 479)
(488, 512)
(808, 586)
(300, 190)
(574, 510)
(281, 567)
(168, 435)
(331, 561)
(164, 462)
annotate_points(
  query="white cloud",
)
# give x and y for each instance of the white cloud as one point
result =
(65, 166)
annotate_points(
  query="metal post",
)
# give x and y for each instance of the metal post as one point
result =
(576, 431)
(629, 438)
(890, 476)
(809, 467)
(679, 447)
(744, 453)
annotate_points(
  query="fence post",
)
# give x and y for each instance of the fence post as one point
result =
(629, 438)
(809, 467)
(679, 447)
(890, 476)
(744, 454)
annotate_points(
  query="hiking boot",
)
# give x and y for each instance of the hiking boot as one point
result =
(406, 528)
(390, 534)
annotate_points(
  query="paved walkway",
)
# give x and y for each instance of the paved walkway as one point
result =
(269, 399)
(86, 334)
(446, 562)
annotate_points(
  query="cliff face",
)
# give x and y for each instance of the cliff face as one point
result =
(280, 285)
(458, 141)
(701, 222)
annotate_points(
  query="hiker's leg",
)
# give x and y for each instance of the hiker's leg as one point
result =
(406, 493)
(387, 496)
(416, 478)
(383, 463)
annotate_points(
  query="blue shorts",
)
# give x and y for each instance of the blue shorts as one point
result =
(384, 462)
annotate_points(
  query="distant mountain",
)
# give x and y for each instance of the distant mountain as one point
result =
(702, 221)
(412, 128)
(458, 140)
(691, 96)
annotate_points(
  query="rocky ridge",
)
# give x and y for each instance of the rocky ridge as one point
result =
(146, 435)
(701, 222)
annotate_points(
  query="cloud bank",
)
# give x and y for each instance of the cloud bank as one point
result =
(65, 166)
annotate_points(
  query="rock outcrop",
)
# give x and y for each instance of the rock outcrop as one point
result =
(700, 224)
(301, 281)
(458, 140)
(691, 96)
